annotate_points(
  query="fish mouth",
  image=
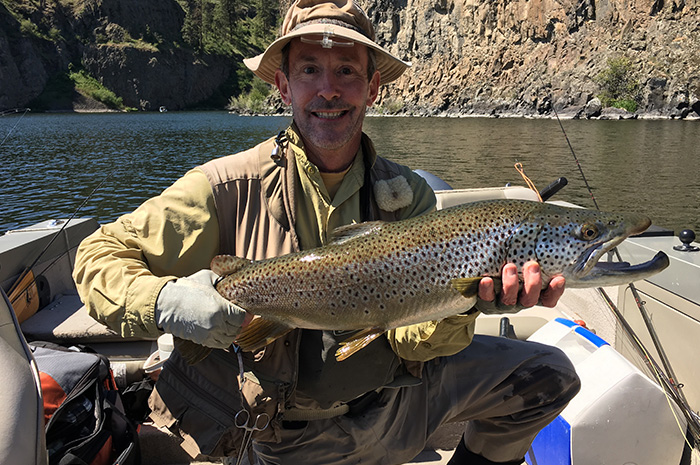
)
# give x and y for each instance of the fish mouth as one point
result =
(591, 271)
(618, 273)
(592, 256)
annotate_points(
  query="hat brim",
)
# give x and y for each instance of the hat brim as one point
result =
(267, 63)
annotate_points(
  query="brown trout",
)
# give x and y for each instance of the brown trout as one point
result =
(377, 276)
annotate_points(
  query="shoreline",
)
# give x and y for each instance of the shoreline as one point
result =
(606, 114)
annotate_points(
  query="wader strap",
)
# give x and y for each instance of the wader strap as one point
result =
(299, 414)
(366, 189)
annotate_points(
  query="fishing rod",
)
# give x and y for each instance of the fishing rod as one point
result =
(662, 378)
(9, 112)
(671, 384)
(27, 270)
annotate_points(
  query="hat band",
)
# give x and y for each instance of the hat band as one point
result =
(330, 21)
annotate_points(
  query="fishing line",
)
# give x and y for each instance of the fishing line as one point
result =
(578, 164)
(671, 388)
(55, 236)
(5, 113)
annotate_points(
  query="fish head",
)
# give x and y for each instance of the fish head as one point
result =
(572, 241)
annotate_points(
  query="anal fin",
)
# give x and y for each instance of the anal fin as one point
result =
(356, 342)
(259, 333)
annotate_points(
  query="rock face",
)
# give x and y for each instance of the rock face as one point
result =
(113, 41)
(25, 64)
(147, 79)
(522, 57)
(525, 56)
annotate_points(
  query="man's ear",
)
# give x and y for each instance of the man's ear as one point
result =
(283, 86)
(373, 89)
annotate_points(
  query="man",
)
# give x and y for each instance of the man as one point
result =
(148, 273)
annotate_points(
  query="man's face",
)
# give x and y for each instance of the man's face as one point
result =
(329, 91)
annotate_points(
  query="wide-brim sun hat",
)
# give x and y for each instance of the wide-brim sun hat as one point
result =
(335, 22)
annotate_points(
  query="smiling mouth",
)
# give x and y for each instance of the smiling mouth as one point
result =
(329, 114)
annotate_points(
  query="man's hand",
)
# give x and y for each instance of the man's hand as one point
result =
(512, 298)
(191, 308)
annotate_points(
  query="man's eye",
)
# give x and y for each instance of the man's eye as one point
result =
(309, 70)
(347, 71)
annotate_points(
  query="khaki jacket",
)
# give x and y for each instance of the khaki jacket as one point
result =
(244, 205)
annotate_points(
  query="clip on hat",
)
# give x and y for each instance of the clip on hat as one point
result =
(329, 23)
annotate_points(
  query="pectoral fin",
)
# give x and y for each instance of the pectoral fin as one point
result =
(356, 342)
(259, 333)
(468, 287)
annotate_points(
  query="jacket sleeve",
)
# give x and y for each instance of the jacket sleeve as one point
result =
(425, 341)
(121, 267)
(428, 340)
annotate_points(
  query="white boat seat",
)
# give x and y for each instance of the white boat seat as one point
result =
(450, 198)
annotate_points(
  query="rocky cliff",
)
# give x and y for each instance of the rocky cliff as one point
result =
(525, 56)
(497, 57)
(134, 48)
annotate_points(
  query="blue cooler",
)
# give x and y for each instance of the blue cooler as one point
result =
(620, 417)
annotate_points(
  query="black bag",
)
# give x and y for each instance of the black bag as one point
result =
(85, 420)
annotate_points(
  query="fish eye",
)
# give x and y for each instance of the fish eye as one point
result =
(588, 232)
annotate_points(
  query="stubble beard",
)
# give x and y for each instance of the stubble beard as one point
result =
(323, 136)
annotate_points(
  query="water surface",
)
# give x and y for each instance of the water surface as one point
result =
(51, 162)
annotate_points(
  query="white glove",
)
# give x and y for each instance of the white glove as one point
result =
(191, 308)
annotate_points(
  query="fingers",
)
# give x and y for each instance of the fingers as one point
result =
(528, 294)
(554, 291)
(510, 283)
(486, 289)
(532, 284)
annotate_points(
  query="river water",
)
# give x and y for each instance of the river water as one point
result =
(51, 162)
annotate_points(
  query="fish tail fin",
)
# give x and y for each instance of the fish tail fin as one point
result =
(224, 265)
(259, 333)
(356, 342)
(191, 352)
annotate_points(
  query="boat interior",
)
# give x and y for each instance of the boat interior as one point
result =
(45, 306)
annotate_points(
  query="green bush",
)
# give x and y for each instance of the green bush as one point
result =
(253, 101)
(626, 104)
(88, 85)
(619, 86)
(28, 28)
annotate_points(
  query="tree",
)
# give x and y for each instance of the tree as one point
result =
(619, 86)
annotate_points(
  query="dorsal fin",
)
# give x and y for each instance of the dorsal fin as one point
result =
(344, 234)
(224, 265)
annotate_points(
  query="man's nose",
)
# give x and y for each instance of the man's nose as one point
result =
(329, 85)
